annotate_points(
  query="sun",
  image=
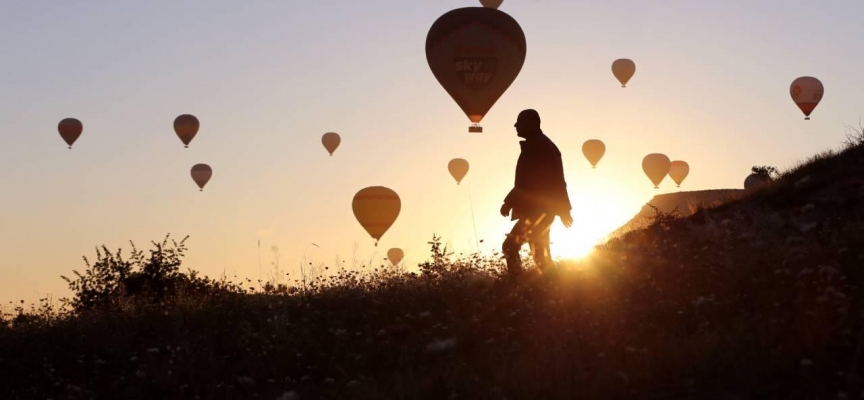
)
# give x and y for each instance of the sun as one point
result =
(596, 213)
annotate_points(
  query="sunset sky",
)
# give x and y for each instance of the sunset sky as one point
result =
(268, 78)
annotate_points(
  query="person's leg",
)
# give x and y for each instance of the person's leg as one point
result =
(513, 243)
(539, 241)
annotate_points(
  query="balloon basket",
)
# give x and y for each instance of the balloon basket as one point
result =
(186, 146)
(475, 129)
(70, 147)
(593, 167)
(806, 118)
(623, 86)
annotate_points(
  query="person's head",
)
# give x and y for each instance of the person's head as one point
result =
(527, 124)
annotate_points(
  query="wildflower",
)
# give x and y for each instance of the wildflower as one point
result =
(441, 345)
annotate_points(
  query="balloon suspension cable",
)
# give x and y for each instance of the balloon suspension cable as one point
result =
(473, 221)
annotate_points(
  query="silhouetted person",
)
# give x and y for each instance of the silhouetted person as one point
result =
(539, 194)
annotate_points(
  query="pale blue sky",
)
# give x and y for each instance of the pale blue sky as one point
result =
(267, 78)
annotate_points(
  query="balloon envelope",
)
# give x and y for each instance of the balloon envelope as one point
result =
(331, 141)
(201, 174)
(475, 53)
(376, 208)
(395, 256)
(491, 3)
(593, 150)
(656, 167)
(678, 170)
(806, 92)
(70, 129)
(623, 69)
(186, 126)
(458, 169)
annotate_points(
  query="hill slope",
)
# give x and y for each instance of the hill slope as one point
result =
(758, 298)
(686, 203)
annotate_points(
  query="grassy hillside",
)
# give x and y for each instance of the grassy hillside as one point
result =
(756, 298)
(683, 204)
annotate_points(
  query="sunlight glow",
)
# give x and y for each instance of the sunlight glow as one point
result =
(598, 210)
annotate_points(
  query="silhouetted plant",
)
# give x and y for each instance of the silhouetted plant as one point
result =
(854, 136)
(765, 171)
(661, 217)
(112, 282)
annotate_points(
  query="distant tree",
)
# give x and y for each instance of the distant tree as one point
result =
(765, 171)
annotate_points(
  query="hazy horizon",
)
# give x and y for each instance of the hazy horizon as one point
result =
(266, 80)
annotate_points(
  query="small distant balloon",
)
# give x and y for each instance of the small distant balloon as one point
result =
(755, 180)
(678, 170)
(395, 256)
(475, 53)
(331, 141)
(623, 69)
(458, 169)
(491, 3)
(806, 92)
(186, 126)
(70, 129)
(201, 174)
(656, 167)
(593, 150)
(376, 208)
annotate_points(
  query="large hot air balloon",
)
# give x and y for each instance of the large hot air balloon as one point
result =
(623, 69)
(593, 150)
(201, 174)
(186, 127)
(755, 180)
(491, 3)
(475, 53)
(395, 256)
(70, 129)
(458, 168)
(678, 170)
(806, 91)
(331, 141)
(656, 167)
(376, 208)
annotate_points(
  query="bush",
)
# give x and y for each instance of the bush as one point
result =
(113, 283)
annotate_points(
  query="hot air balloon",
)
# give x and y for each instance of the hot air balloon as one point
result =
(593, 150)
(395, 256)
(201, 174)
(186, 127)
(331, 141)
(491, 3)
(678, 170)
(806, 91)
(623, 69)
(70, 129)
(656, 167)
(475, 53)
(458, 168)
(755, 180)
(376, 208)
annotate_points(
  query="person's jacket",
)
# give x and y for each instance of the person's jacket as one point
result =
(540, 186)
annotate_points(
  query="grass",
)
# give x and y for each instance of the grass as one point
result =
(760, 297)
